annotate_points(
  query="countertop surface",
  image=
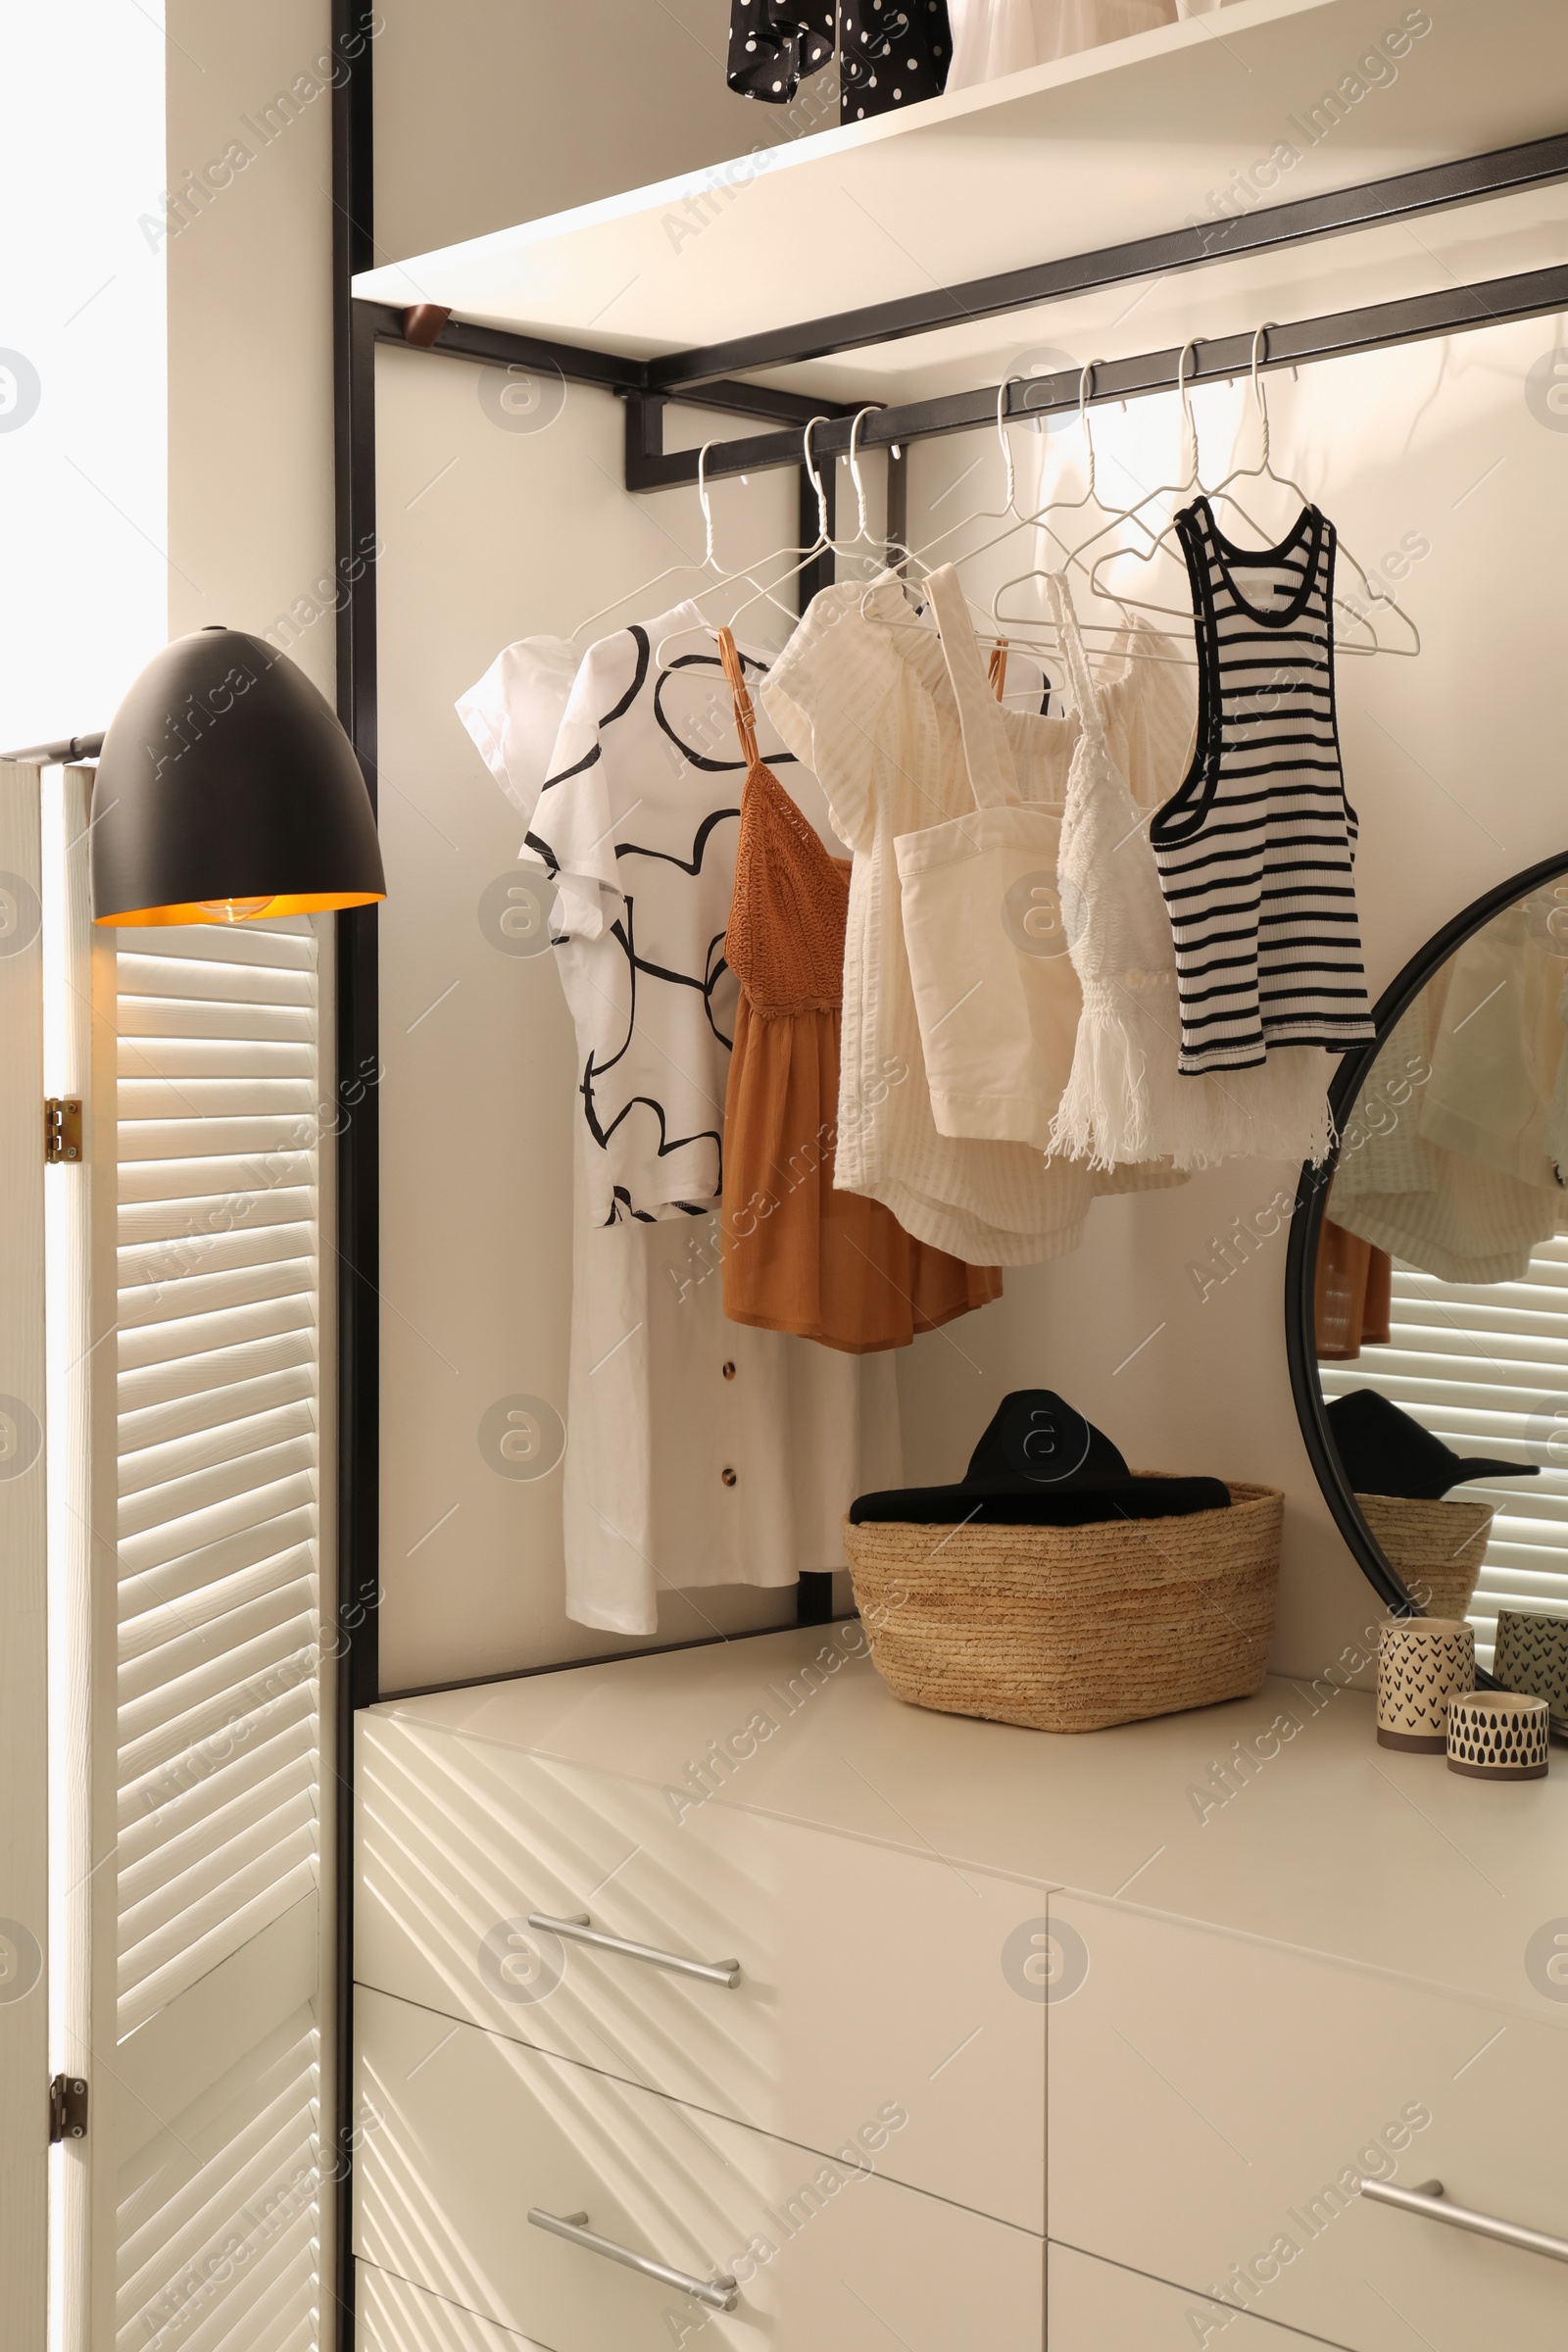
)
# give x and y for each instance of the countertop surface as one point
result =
(1276, 1816)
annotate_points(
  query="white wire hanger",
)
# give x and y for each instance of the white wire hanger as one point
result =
(1009, 513)
(863, 533)
(863, 546)
(708, 561)
(763, 591)
(1034, 635)
(1188, 484)
(1360, 614)
(1045, 520)
(824, 542)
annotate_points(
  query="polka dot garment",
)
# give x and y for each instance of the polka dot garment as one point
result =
(892, 53)
(774, 43)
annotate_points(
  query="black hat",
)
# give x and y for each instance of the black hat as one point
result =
(1041, 1464)
(1384, 1451)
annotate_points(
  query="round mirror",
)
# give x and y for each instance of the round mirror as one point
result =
(1426, 1289)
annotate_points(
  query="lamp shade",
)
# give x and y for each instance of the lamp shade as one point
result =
(226, 789)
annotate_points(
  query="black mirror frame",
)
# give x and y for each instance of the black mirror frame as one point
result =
(1312, 1194)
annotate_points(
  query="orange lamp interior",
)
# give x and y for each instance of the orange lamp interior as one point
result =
(290, 903)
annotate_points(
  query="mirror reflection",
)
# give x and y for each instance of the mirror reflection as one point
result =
(1441, 1295)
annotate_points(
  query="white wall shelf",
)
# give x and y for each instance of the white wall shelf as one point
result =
(1127, 141)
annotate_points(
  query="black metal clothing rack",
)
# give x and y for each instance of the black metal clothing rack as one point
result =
(703, 379)
(711, 380)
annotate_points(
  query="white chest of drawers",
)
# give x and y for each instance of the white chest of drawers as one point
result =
(1028, 2038)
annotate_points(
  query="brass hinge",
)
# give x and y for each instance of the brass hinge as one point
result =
(67, 2108)
(62, 1130)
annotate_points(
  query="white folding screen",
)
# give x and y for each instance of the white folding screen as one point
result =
(24, 1719)
(218, 2016)
(78, 968)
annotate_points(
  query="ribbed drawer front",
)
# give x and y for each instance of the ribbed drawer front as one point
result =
(1214, 2102)
(1098, 2307)
(391, 2316)
(867, 1974)
(464, 2132)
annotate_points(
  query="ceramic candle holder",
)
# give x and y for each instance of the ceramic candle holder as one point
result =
(1498, 1736)
(1422, 1663)
(1533, 1656)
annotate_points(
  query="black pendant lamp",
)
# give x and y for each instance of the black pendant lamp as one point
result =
(226, 790)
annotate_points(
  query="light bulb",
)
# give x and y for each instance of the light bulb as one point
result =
(233, 910)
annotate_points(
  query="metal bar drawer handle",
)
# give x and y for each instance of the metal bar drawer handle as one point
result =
(720, 2294)
(1429, 2202)
(716, 1972)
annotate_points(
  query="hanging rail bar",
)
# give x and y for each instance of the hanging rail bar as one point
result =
(58, 755)
(1452, 310)
(1437, 187)
(499, 347)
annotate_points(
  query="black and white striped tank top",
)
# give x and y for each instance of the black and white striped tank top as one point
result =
(1256, 849)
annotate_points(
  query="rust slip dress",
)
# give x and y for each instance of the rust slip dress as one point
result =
(799, 1256)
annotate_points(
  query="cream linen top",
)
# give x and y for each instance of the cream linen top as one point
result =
(1443, 1161)
(864, 698)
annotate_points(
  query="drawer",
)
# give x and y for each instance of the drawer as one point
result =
(866, 1972)
(1096, 2306)
(1214, 2100)
(391, 2316)
(466, 2131)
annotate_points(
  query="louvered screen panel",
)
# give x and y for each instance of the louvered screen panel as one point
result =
(1486, 1368)
(219, 1664)
(217, 2212)
(217, 1095)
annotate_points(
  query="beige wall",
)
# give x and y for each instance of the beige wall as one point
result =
(488, 113)
(250, 326)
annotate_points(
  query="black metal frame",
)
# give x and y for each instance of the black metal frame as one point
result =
(1311, 1197)
(356, 1046)
(708, 379)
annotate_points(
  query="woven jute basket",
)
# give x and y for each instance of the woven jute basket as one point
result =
(1069, 1629)
(1436, 1547)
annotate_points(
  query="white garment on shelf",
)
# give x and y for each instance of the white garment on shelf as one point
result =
(1381, 1149)
(1438, 1209)
(995, 991)
(1491, 1088)
(863, 698)
(653, 1422)
(1127, 1100)
(514, 713)
(992, 38)
(1475, 1225)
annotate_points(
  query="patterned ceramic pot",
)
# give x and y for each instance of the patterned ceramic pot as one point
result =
(1423, 1662)
(1533, 1656)
(1498, 1736)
